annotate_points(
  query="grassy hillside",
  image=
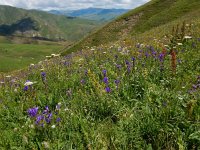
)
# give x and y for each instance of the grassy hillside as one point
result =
(32, 23)
(114, 96)
(140, 92)
(139, 20)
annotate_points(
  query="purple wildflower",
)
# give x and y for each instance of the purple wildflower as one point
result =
(128, 69)
(43, 75)
(179, 61)
(48, 118)
(154, 54)
(161, 57)
(147, 54)
(58, 120)
(128, 66)
(133, 60)
(127, 62)
(107, 89)
(118, 66)
(82, 81)
(117, 83)
(194, 86)
(58, 106)
(32, 112)
(46, 110)
(152, 48)
(105, 80)
(38, 119)
(86, 72)
(25, 88)
(104, 73)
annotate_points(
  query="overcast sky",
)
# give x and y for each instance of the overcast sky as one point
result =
(72, 4)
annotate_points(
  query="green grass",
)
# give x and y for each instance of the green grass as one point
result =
(18, 56)
(153, 106)
(141, 92)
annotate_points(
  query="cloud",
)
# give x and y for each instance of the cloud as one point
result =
(72, 4)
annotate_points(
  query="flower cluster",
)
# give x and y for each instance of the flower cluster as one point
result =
(45, 117)
(105, 80)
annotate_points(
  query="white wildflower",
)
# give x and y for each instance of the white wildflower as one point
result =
(27, 83)
(53, 126)
(56, 55)
(53, 55)
(142, 45)
(32, 126)
(166, 45)
(187, 37)
(179, 44)
(15, 129)
(46, 145)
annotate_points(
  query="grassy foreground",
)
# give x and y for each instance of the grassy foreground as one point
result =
(137, 94)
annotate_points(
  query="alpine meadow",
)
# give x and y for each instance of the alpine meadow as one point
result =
(132, 83)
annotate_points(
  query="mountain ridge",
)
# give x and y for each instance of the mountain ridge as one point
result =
(49, 26)
(91, 13)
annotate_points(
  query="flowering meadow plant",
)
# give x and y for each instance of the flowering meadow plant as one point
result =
(140, 96)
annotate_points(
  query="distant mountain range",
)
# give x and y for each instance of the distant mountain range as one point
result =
(40, 24)
(98, 14)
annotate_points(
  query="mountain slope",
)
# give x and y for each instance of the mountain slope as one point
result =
(98, 14)
(33, 23)
(139, 20)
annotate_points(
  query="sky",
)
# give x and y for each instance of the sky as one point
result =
(72, 4)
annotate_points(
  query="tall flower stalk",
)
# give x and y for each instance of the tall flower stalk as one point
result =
(173, 60)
